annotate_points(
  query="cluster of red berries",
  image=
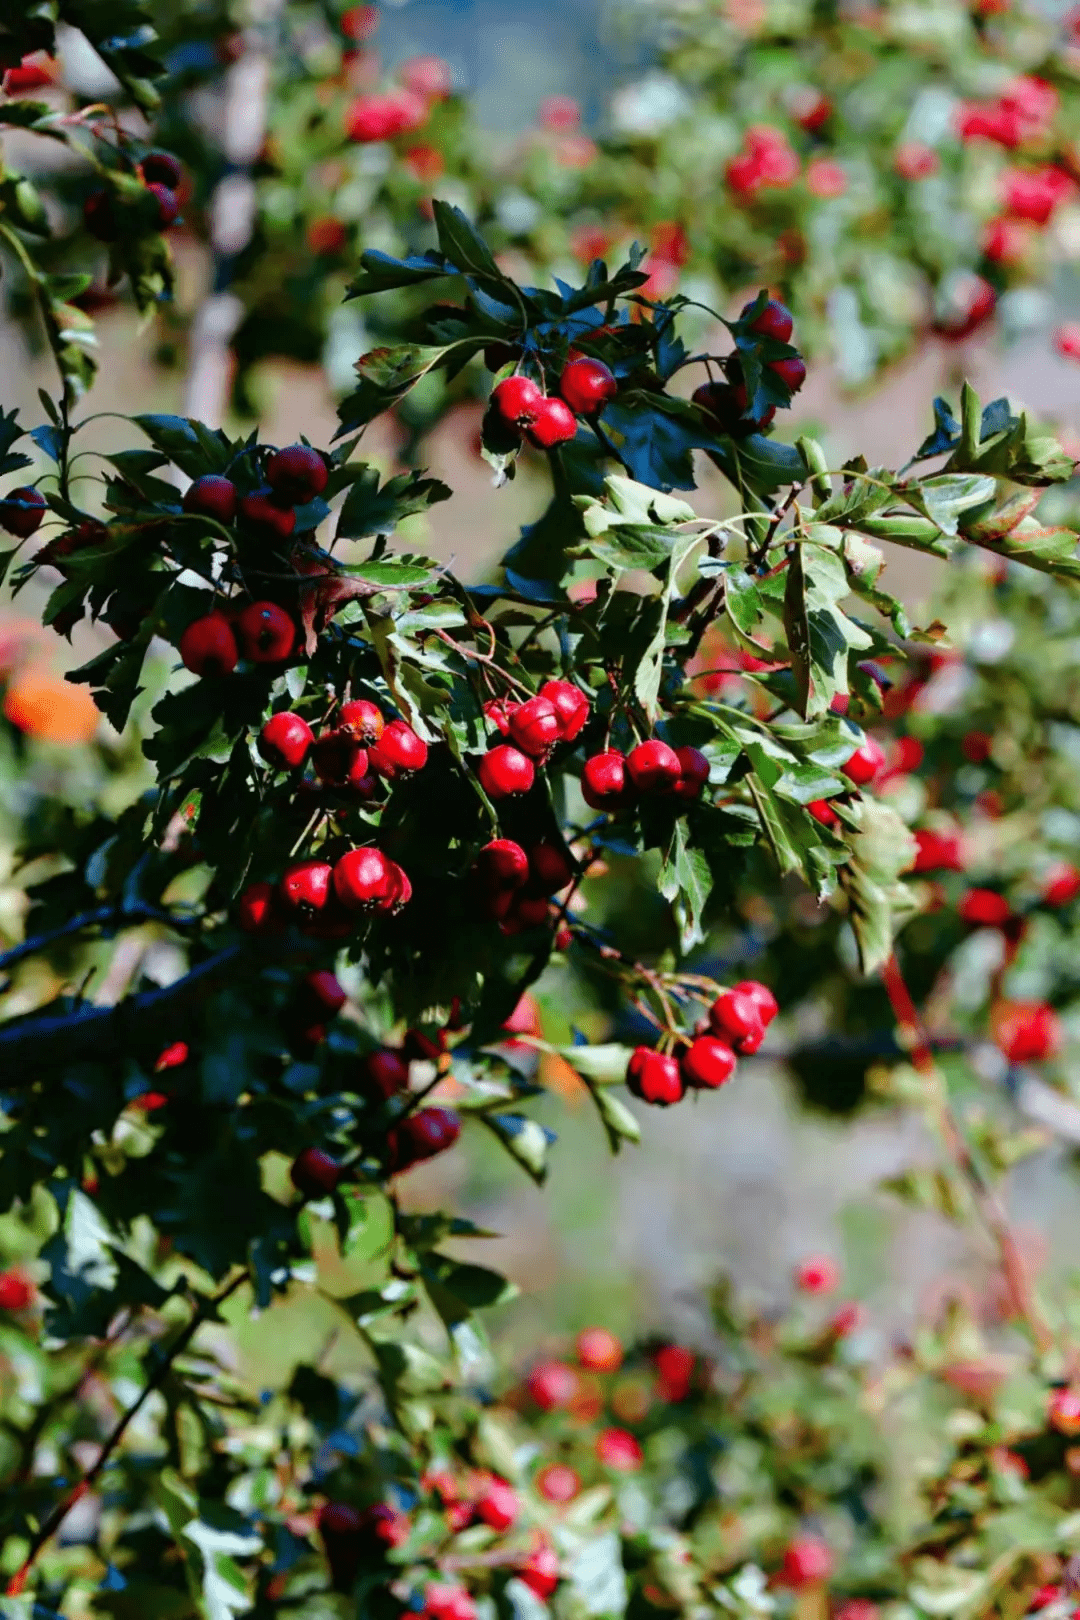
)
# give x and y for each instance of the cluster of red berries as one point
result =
(514, 886)
(556, 714)
(324, 897)
(161, 175)
(614, 781)
(585, 387)
(726, 404)
(381, 115)
(420, 1136)
(358, 751)
(736, 1026)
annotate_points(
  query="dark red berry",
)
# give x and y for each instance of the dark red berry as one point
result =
(694, 772)
(285, 739)
(653, 767)
(654, 1077)
(398, 752)
(338, 758)
(266, 633)
(21, 511)
(502, 864)
(725, 405)
(587, 385)
(549, 869)
(265, 518)
(315, 1173)
(497, 1504)
(256, 911)
(541, 1569)
(306, 886)
(161, 169)
(364, 878)
(388, 1070)
(570, 704)
(773, 322)
(708, 1062)
(604, 782)
(535, 726)
(504, 771)
(208, 646)
(211, 496)
(296, 474)
(321, 992)
(363, 720)
(421, 1136)
(168, 205)
(792, 372)
(552, 423)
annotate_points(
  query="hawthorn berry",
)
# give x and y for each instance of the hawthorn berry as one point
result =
(792, 372)
(674, 1371)
(265, 518)
(285, 739)
(173, 1057)
(558, 1482)
(818, 1275)
(208, 646)
(266, 633)
(708, 1063)
(693, 773)
(653, 767)
(161, 169)
(297, 474)
(497, 1504)
(502, 864)
(604, 784)
(363, 878)
(552, 1384)
(587, 385)
(16, 1291)
(337, 758)
(760, 994)
(1061, 885)
(400, 890)
(551, 423)
(524, 911)
(550, 869)
(535, 727)
(211, 496)
(774, 321)
(315, 1173)
(984, 908)
(256, 910)
(726, 404)
(505, 771)
(1063, 1410)
(398, 751)
(654, 1077)
(937, 851)
(1027, 1031)
(618, 1449)
(540, 1571)
(362, 720)
(807, 1561)
(168, 205)
(305, 886)
(21, 511)
(421, 1136)
(322, 992)
(498, 712)
(736, 1017)
(517, 399)
(388, 1070)
(864, 764)
(598, 1350)
(446, 1601)
(570, 704)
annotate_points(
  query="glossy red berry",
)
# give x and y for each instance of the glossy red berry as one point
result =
(725, 405)
(322, 991)
(211, 496)
(296, 474)
(315, 1173)
(208, 646)
(398, 752)
(505, 771)
(337, 758)
(266, 633)
(265, 518)
(604, 782)
(552, 423)
(1061, 885)
(256, 911)
(1027, 1031)
(305, 886)
(653, 767)
(498, 712)
(388, 1070)
(362, 720)
(806, 1562)
(587, 385)
(654, 1077)
(16, 1291)
(570, 704)
(161, 169)
(168, 205)
(550, 869)
(708, 1063)
(618, 1449)
(364, 878)
(540, 1571)
(517, 399)
(736, 1018)
(984, 908)
(773, 322)
(598, 1350)
(558, 1482)
(693, 773)
(21, 511)
(421, 1136)
(762, 997)
(285, 739)
(792, 372)
(497, 1503)
(535, 727)
(552, 1384)
(865, 763)
(938, 851)
(674, 1371)
(173, 1057)
(400, 890)
(502, 864)
(822, 811)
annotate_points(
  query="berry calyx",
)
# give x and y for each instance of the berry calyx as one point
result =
(552, 1384)
(736, 1018)
(267, 519)
(587, 385)
(297, 474)
(285, 739)
(865, 763)
(505, 771)
(598, 1350)
(315, 1173)
(21, 511)
(570, 704)
(362, 720)
(211, 496)
(618, 1449)
(708, 1063)
(693, 773)
(517, 399)
(498, 1503)
(305, 887)
(552, 423)
(774, 321)
(364, 878)
(398, 751)
(266, 633)
(535, 726)
(653, 767)
(558, 1482)
(604, 783)
(208, 646)
(655, 1077)
(422, 1136)
(502, 864)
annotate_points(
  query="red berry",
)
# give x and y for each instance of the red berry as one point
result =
(598, 1350)
(725, 404)
(984, 908)
(766, 1003)
(168, 205)
(285, 739)
(315, 1173)
(427, 76)
(558, 1483)
(540, 1571)
(570, 704)
(938, 851)
(525, 911)
(497, 713)
(865, 763)
(363, 720)
(502, 864)
(162, 169)
(505, 771)
(364, 878)
(806, 1562)
(498, 1503)
(654, 1077)
(618, 1449)
(552, 1384)
(208, 646)
(400, 890)
(674, 1370)
(422, 1135)
(822, 811)
(306, 886)
(173, 1057)
(517, 399)
(773, 322)
(211, 496)
(338, 758)
(587, 385)
(550, 869)
(16, 1291)
(1027, 1031)
(270, 521)
(708, 1063)
(447, 1602)
(1061, 884)
(266, 633)
(296, 474)
(323, 993)
(604, 784)
(535, 726)
(552, 423)
(398, 751)
(736, 1018)
(21, 511)
(792, 372)
(372, 118)
(256, 911)
(388, 1070)
(819, 1275)
(1063, 1411)
(694, 772)
(653, 767)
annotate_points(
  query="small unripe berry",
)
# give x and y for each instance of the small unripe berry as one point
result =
(654, 1077)
(364, 878)
(315, 1173)
(653, 767)
(285, 739)
(598, 1350)
(363, 720)
(587, 385)
(296, 474)
(570, 704)
(708, 1063)
(398, 752)
(604, 783)
(306, 886)
(211, 496)
(774, 321)
(265, 518)
(535, 727)
(21, 511)
(502, 864)
(266, 633)
(558, 1482)
(208, 646)
(616, 1448)
(736, 1018)
(505, 771)
(865, 763)
(552, 423)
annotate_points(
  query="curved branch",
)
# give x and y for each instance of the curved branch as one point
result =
(106, 917)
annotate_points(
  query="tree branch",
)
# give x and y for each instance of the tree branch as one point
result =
(106, 917)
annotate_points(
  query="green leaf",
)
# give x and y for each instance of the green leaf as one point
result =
(882, 847)
(686, 880)
(820, 635)
(462, 245)
(942, 499)
(457, 1289)
(370, 509)
(524, 1140)
(193, 448)
(382, 273)
(390, 573)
